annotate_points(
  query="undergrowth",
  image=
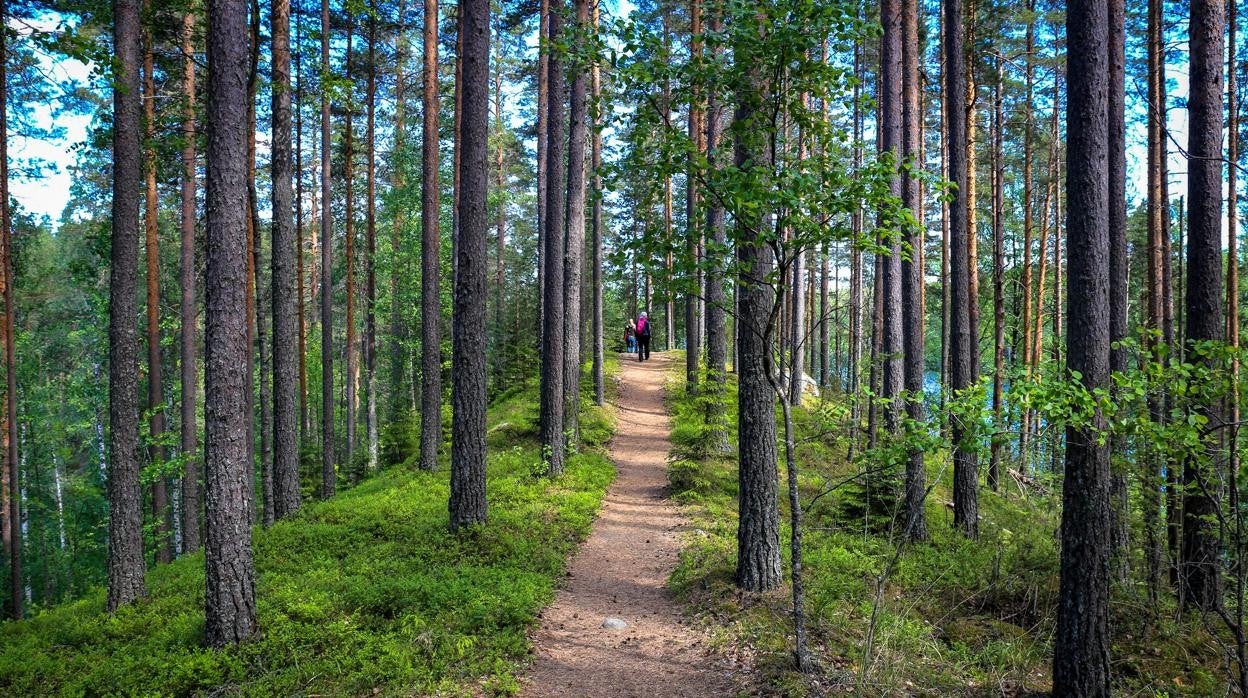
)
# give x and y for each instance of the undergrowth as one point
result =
(365, 594)
(954, 617)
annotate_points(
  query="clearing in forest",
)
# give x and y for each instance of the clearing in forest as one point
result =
(621, 572)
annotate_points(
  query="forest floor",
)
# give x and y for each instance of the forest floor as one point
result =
(621, 573)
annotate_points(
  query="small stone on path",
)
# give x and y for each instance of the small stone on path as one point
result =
(614, 624)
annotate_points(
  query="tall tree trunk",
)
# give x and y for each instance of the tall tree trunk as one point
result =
(1081, 647)
(891, 91)
(468, 502)
(370, 248)
(1201, 548)
(430, 255)
(855, 262)
(186, 276)
(716, 310)
(230, 598)
(125, 513)
(912, 275)
(329, 475)
(1029, 78)
(543, 162)
(286, 493)
(693, 233)
(255, 303)
(500, 217)
(1155, 482)
(352, 376)
(305, 425)
(597, 230)
(574, 252)
(758, 533)
(1232, 273)
(399, 256)
(961, 350)
(1118, 279)
(162, 513)
(552, 354)
(998, 282)
(13, 511)
(972, 184)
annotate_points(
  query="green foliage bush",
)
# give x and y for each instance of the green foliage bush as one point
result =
(366, 593)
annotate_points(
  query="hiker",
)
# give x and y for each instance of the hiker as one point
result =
(630, 337)
(643, 337)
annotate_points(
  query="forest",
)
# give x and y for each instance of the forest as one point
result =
(326, 330)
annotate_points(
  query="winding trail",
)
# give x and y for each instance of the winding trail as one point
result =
(621, 572)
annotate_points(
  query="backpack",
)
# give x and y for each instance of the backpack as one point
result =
(643, 327)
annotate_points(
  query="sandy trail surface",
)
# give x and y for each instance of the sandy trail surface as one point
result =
(620, 573)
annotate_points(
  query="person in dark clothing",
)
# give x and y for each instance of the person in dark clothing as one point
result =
(643, 337)
(630, 337)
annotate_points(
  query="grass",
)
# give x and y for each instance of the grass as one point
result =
(955, 617)
(367, 593)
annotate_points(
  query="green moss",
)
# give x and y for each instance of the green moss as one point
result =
(366, 593)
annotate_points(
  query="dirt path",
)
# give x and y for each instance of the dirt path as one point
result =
(620, 573)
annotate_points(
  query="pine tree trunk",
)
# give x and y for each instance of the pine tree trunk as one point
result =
(1118, 279)
(468, 501)
(912, 275)
(329, 475)
(13, 510)
(597, 229)
(693, 233)
(961, 349)
(286, 493)
(891, 90)
(351, 378)
(162, 513)
(430, 255)
(1202, 587)
(370, 248)
(230, 598)
(186, 276)
(758, 533)
(574, 253)
(1081, 646)
(255, 302)
(125, 518)
(305, 425)
(553, 314)
(999, 425)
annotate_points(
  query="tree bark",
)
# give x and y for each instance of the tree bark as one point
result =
(693, 233)
(430, 255)
(1081, 646)
(961, 350)
(13, 509)
(351, 377)
(999, 425)
(1202, 586)
(255, 287)
(597, 229)
(329, 475)
(758, 531)
(574, 251)
(286, 493)
(186, 275)
(125, 519)
(891, 90)
(162, 513)
(468, 500)
(552, 354)
(912, 275)
(1118, 280)
(230, 598)
(370, 248)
